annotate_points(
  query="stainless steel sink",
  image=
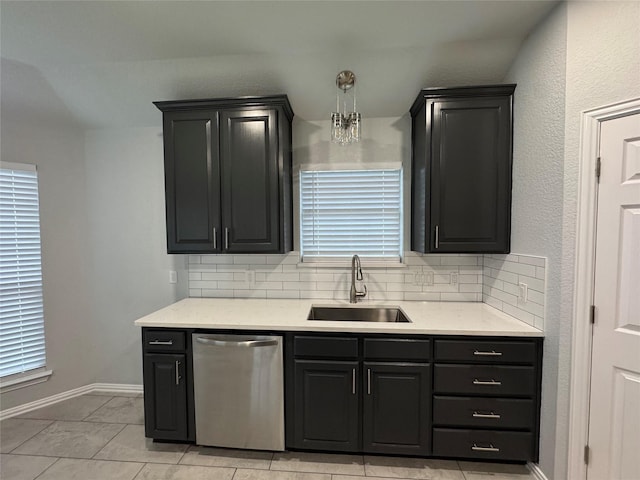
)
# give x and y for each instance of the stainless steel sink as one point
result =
(358, 314)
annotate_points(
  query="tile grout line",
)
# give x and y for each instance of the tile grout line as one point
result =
(42, 472)
(37, 433)
(110, 440)
(144, 464)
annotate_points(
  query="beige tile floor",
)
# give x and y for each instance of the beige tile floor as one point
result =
(101, 437)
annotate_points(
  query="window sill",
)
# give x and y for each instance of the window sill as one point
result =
(25, 381)
(365, 264)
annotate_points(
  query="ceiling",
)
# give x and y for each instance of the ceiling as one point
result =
(102, 63)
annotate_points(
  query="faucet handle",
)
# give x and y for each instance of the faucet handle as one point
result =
(362, 294)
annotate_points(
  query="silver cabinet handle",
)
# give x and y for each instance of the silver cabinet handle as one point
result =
(490, 448)
(368, 381)
(437, 236)
(492, 353)
(486, 382)
(245, 343)
(178, 372)
(353, 381)
(215, 238)
(161, 342)
(226, 238)
(485, 415)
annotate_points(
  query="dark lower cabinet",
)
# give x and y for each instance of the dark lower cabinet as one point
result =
(165, 396)
(459, 397)
(396, 408)
(326, 405)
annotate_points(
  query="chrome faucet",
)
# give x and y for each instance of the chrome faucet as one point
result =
(356, 274)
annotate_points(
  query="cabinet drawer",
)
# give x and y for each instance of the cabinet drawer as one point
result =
(164, 340)
(485, 444)
(481, 412)
(325, 347)
(498, 380)
(397, 349)
(485, 351)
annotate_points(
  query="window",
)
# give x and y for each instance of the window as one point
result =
(347, 212)
(21, 315)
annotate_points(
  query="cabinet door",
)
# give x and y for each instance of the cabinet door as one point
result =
(165, 396)
(192, 181)
(396, 408)
(250, 187)
(471, 175)
(326, 405)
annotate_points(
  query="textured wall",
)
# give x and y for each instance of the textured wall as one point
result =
(603, 67)
(539, 71)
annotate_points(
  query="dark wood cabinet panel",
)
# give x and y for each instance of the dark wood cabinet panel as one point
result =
(165, 396)
(483, 444)
(326, 405)
(250, 180)
(192, 180)
(495, 380)
(228, 175)
(396, 415)
(461, 170)
(483, 412)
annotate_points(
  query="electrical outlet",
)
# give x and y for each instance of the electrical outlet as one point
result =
(523, 292)
(428, 279)
(454, 278)
(417, 279)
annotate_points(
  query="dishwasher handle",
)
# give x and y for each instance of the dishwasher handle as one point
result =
(243, 343)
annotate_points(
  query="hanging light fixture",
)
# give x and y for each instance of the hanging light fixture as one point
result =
(345, 121)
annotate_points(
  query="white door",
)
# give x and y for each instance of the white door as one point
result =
(614, 418)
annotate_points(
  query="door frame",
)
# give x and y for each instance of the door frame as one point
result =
(584, 277)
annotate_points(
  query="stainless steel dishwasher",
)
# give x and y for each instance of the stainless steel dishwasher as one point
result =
(239, 391)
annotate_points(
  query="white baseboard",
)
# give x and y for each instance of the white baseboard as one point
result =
(538, 474)
(76, 392)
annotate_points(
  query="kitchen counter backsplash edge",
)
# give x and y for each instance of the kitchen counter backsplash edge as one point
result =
(427, 318)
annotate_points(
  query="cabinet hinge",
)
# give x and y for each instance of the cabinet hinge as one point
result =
(598, 168)
(592, 314)
(587, 450)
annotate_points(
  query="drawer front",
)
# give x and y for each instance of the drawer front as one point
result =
(481, 412)
(498, 380)
(164, 340)
(484, 444)
(325, 347)
(397, 349)
(485, 351)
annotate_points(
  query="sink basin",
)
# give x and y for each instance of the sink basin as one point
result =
(358, 314)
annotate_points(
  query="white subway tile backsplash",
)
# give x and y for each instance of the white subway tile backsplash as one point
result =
(493, 279)
(502, 276)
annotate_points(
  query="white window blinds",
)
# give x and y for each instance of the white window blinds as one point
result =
(347, 212)
(21, 315)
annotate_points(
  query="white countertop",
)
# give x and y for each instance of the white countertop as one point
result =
(437, 318)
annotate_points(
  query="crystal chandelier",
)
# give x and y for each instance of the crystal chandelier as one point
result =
(345, 121)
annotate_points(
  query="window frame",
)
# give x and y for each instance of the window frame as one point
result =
(34, 371)
(315, 260)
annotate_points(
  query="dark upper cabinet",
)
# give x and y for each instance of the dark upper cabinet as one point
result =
(461, 170)
(228, 175)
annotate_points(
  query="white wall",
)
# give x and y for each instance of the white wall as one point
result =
(103, 235)
(538, 158)
(127, 235)
(584, 55)
(58, 152)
